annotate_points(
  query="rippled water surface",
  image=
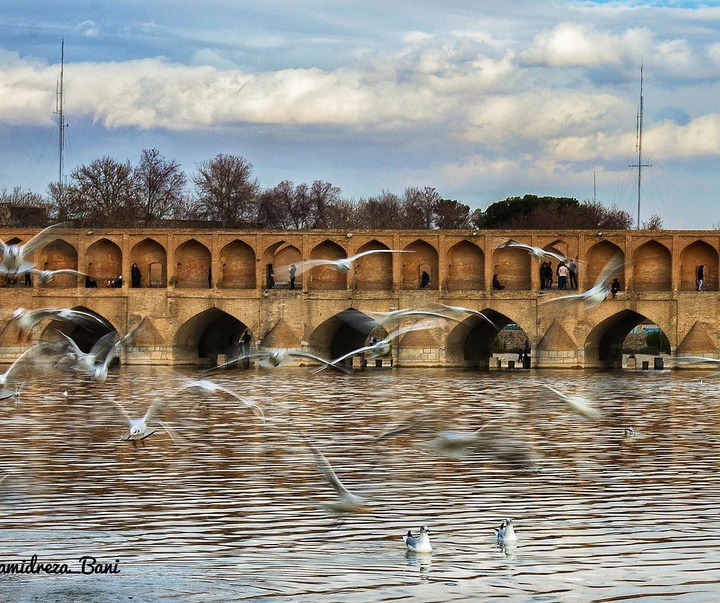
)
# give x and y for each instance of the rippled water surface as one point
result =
(222, 508)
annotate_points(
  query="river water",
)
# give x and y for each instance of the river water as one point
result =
(221, 507)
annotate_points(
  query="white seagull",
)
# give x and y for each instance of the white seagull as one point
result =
(45, 276)
(382, 347)
(346, 501)
(27, 319)
(138, 429)
(207, 385)
(419, 544)
(579, 405)
(13, 256)
(505, 534)
(342, 265)
(536, 252)
(599, 291)
(272, 358)
(463, 310)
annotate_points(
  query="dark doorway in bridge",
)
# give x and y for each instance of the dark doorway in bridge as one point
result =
(341, 334)
(85, 335)
(471, 342)
(626, 332)
(211, 337)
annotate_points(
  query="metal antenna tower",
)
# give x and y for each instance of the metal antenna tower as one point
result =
(640, 165)
(61, 118)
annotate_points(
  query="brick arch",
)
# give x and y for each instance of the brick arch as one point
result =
(603, 343)
(151, 258)
(699, 253)
(285, 256)
(597, 257)
(204, 336)
(326, 277)
(374, 272)
(103, 261)
(470, 342)
(652, 267)
(424, 257)
(466, 267)
(58, 255)
(237, 266)
(341, 333)
(513, 268)
(192, 265)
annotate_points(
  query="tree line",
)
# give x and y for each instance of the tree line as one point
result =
(224, 193)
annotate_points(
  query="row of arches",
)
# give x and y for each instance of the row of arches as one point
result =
(213, 334)
(239, 267)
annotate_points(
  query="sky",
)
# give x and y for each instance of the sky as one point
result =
(482, 100)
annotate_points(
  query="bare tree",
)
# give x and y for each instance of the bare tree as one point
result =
(23, 208)
(654, 223)
(103, 193)
(161, 185)
(385, 211)
(341, 213)
(226, 190)
(419, 205)
(322, 196)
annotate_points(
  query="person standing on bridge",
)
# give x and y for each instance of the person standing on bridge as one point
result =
(700, 277)
(135, 275)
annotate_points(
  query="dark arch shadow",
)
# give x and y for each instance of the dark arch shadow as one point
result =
(85, 335)
(470, 343)
(604, 344)
(209, 334)
(343, 333)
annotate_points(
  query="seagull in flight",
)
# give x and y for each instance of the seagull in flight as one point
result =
(463, 310)
(418, 544)
(536, 252)
(29, 356)
(139, 429)
(45, 276)
(272, 358)
(382, 347)
(13, 255)
(207, 385)
(346, 502)
(599, 291)
(342, 265)
(579, 405)
(27, 319)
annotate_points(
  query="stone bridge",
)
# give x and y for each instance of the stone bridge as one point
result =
(203, 291)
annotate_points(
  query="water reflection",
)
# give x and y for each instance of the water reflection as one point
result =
(232, 511)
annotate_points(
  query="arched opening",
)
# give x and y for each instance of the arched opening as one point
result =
(237, 266)
(341, 334)
(374, 272)
(598, 257)
(104, 261)
(474, 341)
(211, 337)
(85, 334)
(326, 277)
(192, 267)
(652, 267)
(692, 257)
(466, 267)
(617, 335)
(60, 255)
(151, 258)
(285, 257)
(513, 267)
(423, 259)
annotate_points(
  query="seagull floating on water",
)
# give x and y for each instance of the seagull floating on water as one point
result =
(419, 544)
(505, 534)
